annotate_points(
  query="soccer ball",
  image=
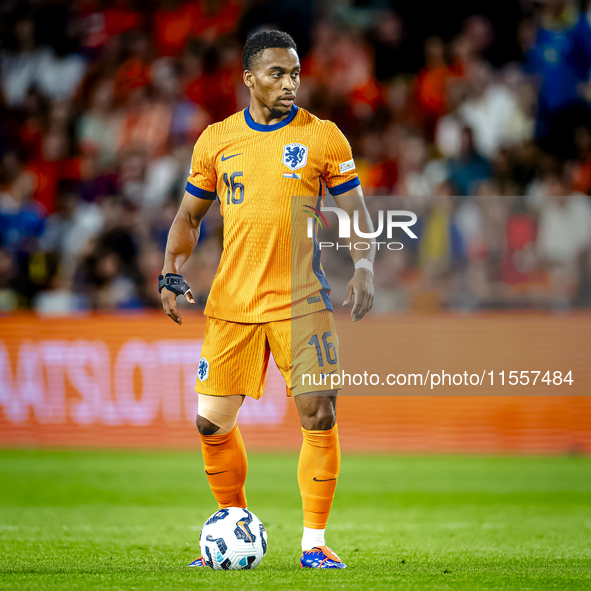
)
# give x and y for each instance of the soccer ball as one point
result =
(233, 539)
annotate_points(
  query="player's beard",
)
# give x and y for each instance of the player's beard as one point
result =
(277, 113)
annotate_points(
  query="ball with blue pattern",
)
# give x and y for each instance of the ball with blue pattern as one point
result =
(233, 539)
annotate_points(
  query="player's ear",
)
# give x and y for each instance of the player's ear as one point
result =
(247, 76)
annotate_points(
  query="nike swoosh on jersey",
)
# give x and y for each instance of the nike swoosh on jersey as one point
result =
(318, 480)
(224, 158)
(214, 473)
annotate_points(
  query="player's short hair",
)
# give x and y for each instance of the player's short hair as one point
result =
(265, 40)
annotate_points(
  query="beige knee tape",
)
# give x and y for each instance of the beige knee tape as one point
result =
(220, 410)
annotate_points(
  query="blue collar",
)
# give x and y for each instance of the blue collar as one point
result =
(260, 127)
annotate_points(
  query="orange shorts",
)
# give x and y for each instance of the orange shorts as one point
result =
(235, 356)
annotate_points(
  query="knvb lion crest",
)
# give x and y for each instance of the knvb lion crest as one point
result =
(295, 156)
(203, 369)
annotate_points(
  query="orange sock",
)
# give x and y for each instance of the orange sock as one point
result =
(318, 470)
(226, 465)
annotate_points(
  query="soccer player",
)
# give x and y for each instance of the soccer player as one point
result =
(270, 294)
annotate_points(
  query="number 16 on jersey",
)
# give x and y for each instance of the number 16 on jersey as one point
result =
(233, 188)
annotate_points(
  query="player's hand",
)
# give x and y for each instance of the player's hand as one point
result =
(168, 299)
(360, 289)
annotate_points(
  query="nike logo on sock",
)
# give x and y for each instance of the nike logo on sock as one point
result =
(224, 158)
(326, 480)
(214, 473)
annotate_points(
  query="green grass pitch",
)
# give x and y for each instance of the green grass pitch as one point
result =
(131, 521)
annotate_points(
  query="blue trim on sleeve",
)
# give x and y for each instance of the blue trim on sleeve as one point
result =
(201, 193)
(344, 187)
(317, 253)
(260, 127)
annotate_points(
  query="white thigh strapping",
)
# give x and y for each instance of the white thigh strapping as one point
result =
(220, 410)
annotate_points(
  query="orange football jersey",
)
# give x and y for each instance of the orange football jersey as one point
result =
(263, 175)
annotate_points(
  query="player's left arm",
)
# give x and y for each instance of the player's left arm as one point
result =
(360, 288)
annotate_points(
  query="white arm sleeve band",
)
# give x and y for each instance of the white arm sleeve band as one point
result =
(364, 264)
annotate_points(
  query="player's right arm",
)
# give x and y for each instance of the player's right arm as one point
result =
(182, 239)
(184, 232)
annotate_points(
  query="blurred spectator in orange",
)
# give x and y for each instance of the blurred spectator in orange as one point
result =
(211, 76)
(175, 22)
(431, 83)
(378, 174)
(53, 165)
(134, 71)
(193, 70)
(217, 18)
(146, 123)
(101, 20)
(341, 66)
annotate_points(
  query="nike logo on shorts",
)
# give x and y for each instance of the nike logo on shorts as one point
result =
(318, 480)
(214, 473)
(224, 158)
(327, 374)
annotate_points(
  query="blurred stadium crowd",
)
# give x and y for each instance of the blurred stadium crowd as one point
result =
(479, 123)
